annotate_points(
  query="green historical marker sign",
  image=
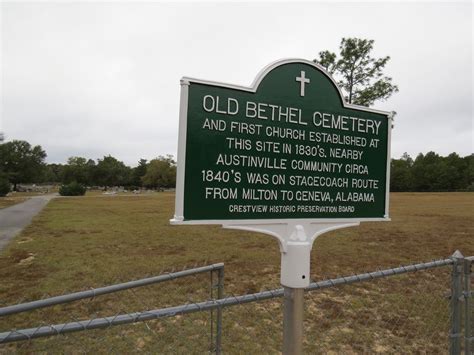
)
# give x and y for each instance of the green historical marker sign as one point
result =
(287, 157)
(288, 147)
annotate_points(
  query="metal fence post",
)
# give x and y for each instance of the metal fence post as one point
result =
(456, 297)
(293, 320)
(220, 295)
(217, 346)
(468, 310)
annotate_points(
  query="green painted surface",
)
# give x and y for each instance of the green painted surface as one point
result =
(272, 167)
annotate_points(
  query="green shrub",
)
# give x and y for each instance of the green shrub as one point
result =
(72, 189)
(4, 186)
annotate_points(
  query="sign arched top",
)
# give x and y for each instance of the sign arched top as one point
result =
(275, 66)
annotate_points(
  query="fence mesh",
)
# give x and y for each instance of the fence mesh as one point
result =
(253, 328)
(401, 314)
(190, 333)
(407, 313)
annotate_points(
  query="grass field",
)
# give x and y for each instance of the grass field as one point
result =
(80, 243)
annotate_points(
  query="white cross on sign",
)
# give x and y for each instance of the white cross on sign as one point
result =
(303, 81)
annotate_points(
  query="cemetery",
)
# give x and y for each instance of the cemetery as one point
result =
(308, 189)
(302, 199)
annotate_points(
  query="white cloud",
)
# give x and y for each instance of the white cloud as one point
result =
(92, 79)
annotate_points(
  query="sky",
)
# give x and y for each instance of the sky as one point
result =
(92, 79)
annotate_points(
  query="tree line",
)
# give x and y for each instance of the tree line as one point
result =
(109, 171)
(21, 163)
(432, 172)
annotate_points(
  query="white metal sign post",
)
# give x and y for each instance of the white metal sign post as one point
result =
(287, 157)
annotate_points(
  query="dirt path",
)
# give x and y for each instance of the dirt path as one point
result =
(14, 218)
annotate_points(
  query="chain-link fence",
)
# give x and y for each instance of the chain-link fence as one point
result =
(61, 319)
(401, 310)
(421, 308)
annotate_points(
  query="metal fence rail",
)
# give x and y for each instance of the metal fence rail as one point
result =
(52, 301)
(215, 304)
(378, 274)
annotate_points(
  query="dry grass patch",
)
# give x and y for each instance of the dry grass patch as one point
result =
(79, 243)
(10, 201)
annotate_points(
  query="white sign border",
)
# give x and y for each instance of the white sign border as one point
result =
(180, 174)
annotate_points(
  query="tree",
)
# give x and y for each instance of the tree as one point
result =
(138, 172)
(21, 162)
(76, 170)
(469, 160)
(111, 172)
(90, 172)
(358, 74)
(430, 173)
(4, 185)
(457, 171)
(80, 170)
(400, 174)
(52, 173)
(160, 172)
